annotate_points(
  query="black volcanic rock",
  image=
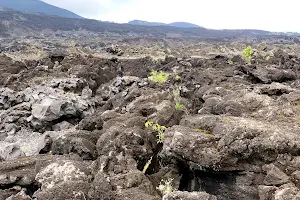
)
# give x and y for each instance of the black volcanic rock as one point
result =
(37, 6)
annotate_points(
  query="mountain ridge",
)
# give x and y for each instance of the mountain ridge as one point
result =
(16, 23)
(37, 6)
(174, 24)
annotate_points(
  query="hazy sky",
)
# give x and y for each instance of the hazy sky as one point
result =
(272, 15)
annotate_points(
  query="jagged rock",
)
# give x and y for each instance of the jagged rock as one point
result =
(268, 74)
(164, 113)
(69, 141)
(275, 176)
(286, 192)
(266, 192)
(132, 140)
(109, 114)
(6, 193)
(72, 84)
(9, 98)
(63, 180)
(50, 109)
(64, 125)
(238, 103)
(276, 89)
(86, 93)
(91, 123)
(100, 188)
(126, 181)
(189, 196)
(20, 196)
(9, 151)
(71, 144)
(218, 141)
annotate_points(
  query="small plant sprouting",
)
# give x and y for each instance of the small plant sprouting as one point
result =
(148, 123)
(160, 137)
(159, 129)
(247, 53)
(268, 57)
(159, 76)
(177, 77)
(166, 187)
(179, 106)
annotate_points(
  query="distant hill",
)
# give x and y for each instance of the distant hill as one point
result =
(184, 25)
(175, 24)
(37, 6)
(145, 23)
(15, 23)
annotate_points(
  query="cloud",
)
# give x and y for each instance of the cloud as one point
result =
(273, 15)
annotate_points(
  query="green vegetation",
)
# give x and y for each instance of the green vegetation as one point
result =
(247, 53)
(179, 106)
(159, 76)
(268, 57)
(166, 187)
(159, 129)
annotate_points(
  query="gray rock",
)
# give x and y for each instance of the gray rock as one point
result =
(80, 142)
(9, 98)
(91, 123)
(9, 151)
(275, 176)
(64, 125)
(20, 196)
(266, 192)
(63, 180)
(189, 196)
(22, 171)
(100, 188)
(50, 109)
(72, 84)
(287, 192)
(215, 141)
(132, 140)
(86, 93)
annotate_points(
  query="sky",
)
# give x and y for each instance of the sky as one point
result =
(271, 15)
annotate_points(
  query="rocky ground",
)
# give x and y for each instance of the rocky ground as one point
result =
(73, 114)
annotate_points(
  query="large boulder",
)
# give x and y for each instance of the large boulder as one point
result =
(63, 180)
(223, 141)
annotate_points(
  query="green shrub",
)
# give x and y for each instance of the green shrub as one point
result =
(159, 129)
(159, 76)
(247, 53)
